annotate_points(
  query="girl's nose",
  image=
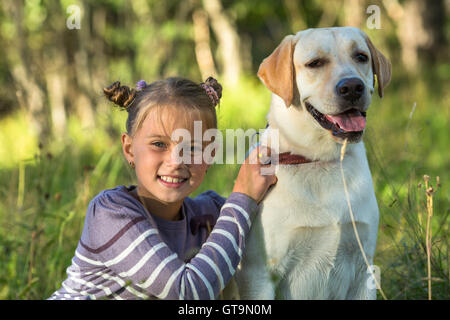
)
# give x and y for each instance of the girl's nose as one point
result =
(174, 158)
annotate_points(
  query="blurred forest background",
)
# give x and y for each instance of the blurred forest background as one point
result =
(60, 139)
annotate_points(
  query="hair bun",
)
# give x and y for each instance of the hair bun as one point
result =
(215, 85)
(122, 96)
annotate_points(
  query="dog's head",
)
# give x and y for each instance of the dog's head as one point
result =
(329, 75)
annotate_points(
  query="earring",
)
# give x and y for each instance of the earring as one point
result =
(131, 164)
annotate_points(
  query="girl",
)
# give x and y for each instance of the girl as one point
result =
(139, 242)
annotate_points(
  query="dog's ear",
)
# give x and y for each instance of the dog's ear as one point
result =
(277, 70)
(381, 67)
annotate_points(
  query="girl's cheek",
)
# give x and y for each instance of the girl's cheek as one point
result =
(199, 169)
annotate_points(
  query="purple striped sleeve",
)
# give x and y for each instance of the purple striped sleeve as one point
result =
(135, 252)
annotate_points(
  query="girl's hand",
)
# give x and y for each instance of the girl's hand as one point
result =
(255, 178)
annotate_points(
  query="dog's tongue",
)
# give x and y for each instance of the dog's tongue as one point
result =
(349, 121)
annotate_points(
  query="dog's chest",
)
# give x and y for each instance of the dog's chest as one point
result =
(314, 195)
(308, 233)
(319, 263)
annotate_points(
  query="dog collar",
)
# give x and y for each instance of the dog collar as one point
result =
(288, 158)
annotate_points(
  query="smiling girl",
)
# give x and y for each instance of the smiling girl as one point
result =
(150, 240)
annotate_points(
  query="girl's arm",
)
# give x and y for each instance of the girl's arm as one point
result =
(136, 252)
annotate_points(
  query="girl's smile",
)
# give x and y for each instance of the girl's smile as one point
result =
(172, 181)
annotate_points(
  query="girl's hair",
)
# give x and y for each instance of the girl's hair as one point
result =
(172, 92)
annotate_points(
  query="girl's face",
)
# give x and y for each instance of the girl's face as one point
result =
(160, 174)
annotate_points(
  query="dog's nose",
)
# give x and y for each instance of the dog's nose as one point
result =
(350, 88)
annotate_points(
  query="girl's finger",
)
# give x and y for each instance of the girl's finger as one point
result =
(266, 155)
(253, 157)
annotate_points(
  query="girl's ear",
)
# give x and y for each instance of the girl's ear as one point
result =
(126, 147)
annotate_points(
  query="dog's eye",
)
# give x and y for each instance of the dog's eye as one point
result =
(361, 57)
(317, 63)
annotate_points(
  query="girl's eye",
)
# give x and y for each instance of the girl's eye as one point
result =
(159, 144)
(361, 57)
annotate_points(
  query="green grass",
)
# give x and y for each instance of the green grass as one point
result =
(45, 191)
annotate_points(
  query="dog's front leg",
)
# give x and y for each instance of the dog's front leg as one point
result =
(253, 276)
(255, 282)
(364, 286)
(367, 289)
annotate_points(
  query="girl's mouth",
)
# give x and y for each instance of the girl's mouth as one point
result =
(172, 181)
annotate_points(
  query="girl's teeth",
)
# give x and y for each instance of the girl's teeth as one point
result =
(171, 180)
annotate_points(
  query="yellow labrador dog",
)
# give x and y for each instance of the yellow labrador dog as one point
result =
(302, 244)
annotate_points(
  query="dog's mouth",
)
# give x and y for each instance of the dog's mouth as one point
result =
(346, 125)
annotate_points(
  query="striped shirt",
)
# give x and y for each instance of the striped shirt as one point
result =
(126, 253)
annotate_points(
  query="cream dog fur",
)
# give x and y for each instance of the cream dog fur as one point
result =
(302, 244)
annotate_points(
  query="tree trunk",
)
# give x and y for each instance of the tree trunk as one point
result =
(28, 91)
(293, 13)
(354, 13)
(203, 52)
(83, 102)
(33, 97)
(228, 39)
(99, 60)
(56, 73)
(56, 90)
(411, 31)
(412, 34)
